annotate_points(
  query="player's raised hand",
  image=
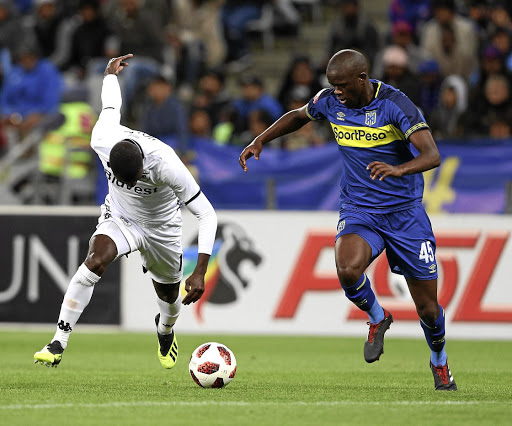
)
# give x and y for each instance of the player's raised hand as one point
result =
(254, 148)
(116, 65)
(381, 170)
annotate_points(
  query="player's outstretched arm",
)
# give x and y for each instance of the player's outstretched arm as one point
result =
(289, 122)
(111, 99)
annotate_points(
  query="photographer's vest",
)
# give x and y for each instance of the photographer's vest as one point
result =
(67, 150)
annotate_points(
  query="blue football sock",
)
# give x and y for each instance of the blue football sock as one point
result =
(434, 334)
(438, 358)
(376, 313)
(361, 295)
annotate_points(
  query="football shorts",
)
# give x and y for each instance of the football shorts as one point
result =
(406, 235)
(159, 247)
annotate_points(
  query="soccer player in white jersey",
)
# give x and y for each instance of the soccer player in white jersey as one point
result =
(148, 183)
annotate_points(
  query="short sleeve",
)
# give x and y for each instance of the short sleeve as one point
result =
(406, 116)
(317, 106)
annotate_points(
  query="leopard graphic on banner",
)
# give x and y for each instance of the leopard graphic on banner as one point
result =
(232, 249)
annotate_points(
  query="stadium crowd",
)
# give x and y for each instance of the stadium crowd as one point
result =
(453, 58)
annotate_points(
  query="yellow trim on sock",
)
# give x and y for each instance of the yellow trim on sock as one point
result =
(362, 283)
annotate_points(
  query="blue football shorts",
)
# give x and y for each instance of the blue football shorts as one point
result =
(406, 235)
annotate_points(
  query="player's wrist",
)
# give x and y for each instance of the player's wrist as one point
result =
(202, 264)
(259, 141)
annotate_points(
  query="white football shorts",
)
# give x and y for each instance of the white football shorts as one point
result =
(159, 247)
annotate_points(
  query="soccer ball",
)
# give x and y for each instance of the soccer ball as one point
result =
(212, 365)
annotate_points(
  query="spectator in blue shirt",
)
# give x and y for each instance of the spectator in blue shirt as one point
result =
(254, 98)
(415, 12)
(32, 90)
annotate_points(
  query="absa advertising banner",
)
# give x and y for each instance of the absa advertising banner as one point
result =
(40, 250)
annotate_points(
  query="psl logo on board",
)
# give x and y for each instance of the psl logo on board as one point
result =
(224, 281)
(488, 246)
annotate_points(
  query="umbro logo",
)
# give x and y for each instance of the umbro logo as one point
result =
(64, 326)
(341, 116)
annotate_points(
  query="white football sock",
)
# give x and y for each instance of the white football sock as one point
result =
(77, 297)
(169, 313)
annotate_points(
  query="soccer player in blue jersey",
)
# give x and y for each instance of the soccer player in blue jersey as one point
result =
(381, 192)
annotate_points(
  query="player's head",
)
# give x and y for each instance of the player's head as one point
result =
(126, 161)
(347, 72)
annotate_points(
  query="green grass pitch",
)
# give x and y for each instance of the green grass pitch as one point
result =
(116, 379)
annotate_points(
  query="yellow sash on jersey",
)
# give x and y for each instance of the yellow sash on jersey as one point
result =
(366, 137)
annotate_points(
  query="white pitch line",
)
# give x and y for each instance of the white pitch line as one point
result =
(245, 404)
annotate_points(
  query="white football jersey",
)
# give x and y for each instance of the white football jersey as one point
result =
(154, 200)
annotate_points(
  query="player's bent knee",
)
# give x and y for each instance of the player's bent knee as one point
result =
(348, 275)
(428, 312)
(97, 264)
(167, 292)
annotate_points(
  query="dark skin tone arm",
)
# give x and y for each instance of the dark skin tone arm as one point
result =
(194, 285)
(288, 123)
(428, 158)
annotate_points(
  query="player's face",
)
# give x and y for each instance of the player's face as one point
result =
(349, 89)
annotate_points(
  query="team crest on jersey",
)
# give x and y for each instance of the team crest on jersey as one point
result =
(341, 225)
(371, 118)
(341, 116)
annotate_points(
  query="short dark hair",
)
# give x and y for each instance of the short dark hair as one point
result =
(160, 78)
(93, 4)
(250, 80)
(217, 73)
(443, 4)
(126, 160)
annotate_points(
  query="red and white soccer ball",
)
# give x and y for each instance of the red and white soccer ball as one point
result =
(212, 365)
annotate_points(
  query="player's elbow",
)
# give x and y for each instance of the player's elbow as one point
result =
(436, 159)
(212, 218)
(209, 216)
(300, 115)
